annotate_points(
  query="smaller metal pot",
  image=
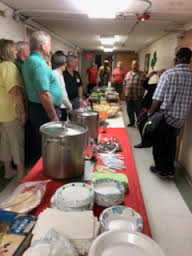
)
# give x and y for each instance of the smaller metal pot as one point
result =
(88, 118)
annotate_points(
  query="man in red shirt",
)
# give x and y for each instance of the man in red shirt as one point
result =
(118, 75)
(92, 77)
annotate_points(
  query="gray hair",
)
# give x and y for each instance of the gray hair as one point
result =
(71, 58)
(38, 38)
(20, 45)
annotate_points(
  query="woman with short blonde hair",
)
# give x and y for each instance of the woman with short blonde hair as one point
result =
(12, 111)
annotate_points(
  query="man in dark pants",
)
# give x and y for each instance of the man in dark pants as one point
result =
(173, 96)
(73, 82)
(134, 91)
(43, 90)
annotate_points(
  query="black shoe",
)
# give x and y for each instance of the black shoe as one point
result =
(140, 145)
(153, 168)
(171, 175)
(158, 173)
(130, 125)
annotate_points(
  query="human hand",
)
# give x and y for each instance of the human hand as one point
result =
(22, 119)
(55, 119)
(82, 105)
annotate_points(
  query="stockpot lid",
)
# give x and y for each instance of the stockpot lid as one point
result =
(85, 113)
(63, 129)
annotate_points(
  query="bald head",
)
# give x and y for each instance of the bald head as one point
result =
(119, 64)
(135, 66)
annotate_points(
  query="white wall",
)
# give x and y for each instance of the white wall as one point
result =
(10, 29)
(165, 48)
(186, 148)
(58, 45)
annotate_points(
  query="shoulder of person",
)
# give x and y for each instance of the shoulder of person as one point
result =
(35, 61)
(9, 66)
(128, 73)
(76, 73)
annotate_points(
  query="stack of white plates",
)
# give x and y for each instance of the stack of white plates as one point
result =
(75, 196)
(120, 218)
(108, 192)
(123, 243)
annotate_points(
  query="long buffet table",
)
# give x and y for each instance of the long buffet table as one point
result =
(132, 199)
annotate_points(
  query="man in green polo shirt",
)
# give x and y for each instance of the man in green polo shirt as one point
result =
(43, 90)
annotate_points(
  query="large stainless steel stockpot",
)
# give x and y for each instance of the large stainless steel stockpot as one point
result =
(63, 149)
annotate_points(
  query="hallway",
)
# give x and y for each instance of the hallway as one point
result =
(169, 216)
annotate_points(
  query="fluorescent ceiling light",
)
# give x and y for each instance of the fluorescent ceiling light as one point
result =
(108, 49)
(106, 9)
(109, 40)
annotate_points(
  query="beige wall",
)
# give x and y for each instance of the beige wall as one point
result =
(185, 157)
(186, 149)
(165, 48)
(10, 29)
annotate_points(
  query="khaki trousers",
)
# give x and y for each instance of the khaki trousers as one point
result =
(12, 142)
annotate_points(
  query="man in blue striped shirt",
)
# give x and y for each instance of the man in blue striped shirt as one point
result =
(173, 96)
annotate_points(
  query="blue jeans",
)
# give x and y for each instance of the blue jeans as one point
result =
(75, 103)
(133, 106)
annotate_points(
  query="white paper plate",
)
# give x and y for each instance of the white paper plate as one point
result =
(120, 218)
(73, 195)
(115, 243)
(108, 192)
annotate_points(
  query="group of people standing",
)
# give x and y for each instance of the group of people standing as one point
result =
(171, 98)
(33, 93)
(103, 76)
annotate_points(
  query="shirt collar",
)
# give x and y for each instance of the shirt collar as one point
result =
(182, 65)
(37, 54)
(19, 60)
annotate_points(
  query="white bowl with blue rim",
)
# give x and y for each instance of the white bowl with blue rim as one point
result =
(75, 196)
(121, 218)
(108, 192)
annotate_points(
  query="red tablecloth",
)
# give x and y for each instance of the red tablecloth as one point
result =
(132, 199)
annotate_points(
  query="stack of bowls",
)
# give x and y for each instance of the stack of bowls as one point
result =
(108, 192)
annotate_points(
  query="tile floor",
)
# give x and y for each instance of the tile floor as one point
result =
(169, 216)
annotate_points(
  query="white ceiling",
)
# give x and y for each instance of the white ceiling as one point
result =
(66, 19)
